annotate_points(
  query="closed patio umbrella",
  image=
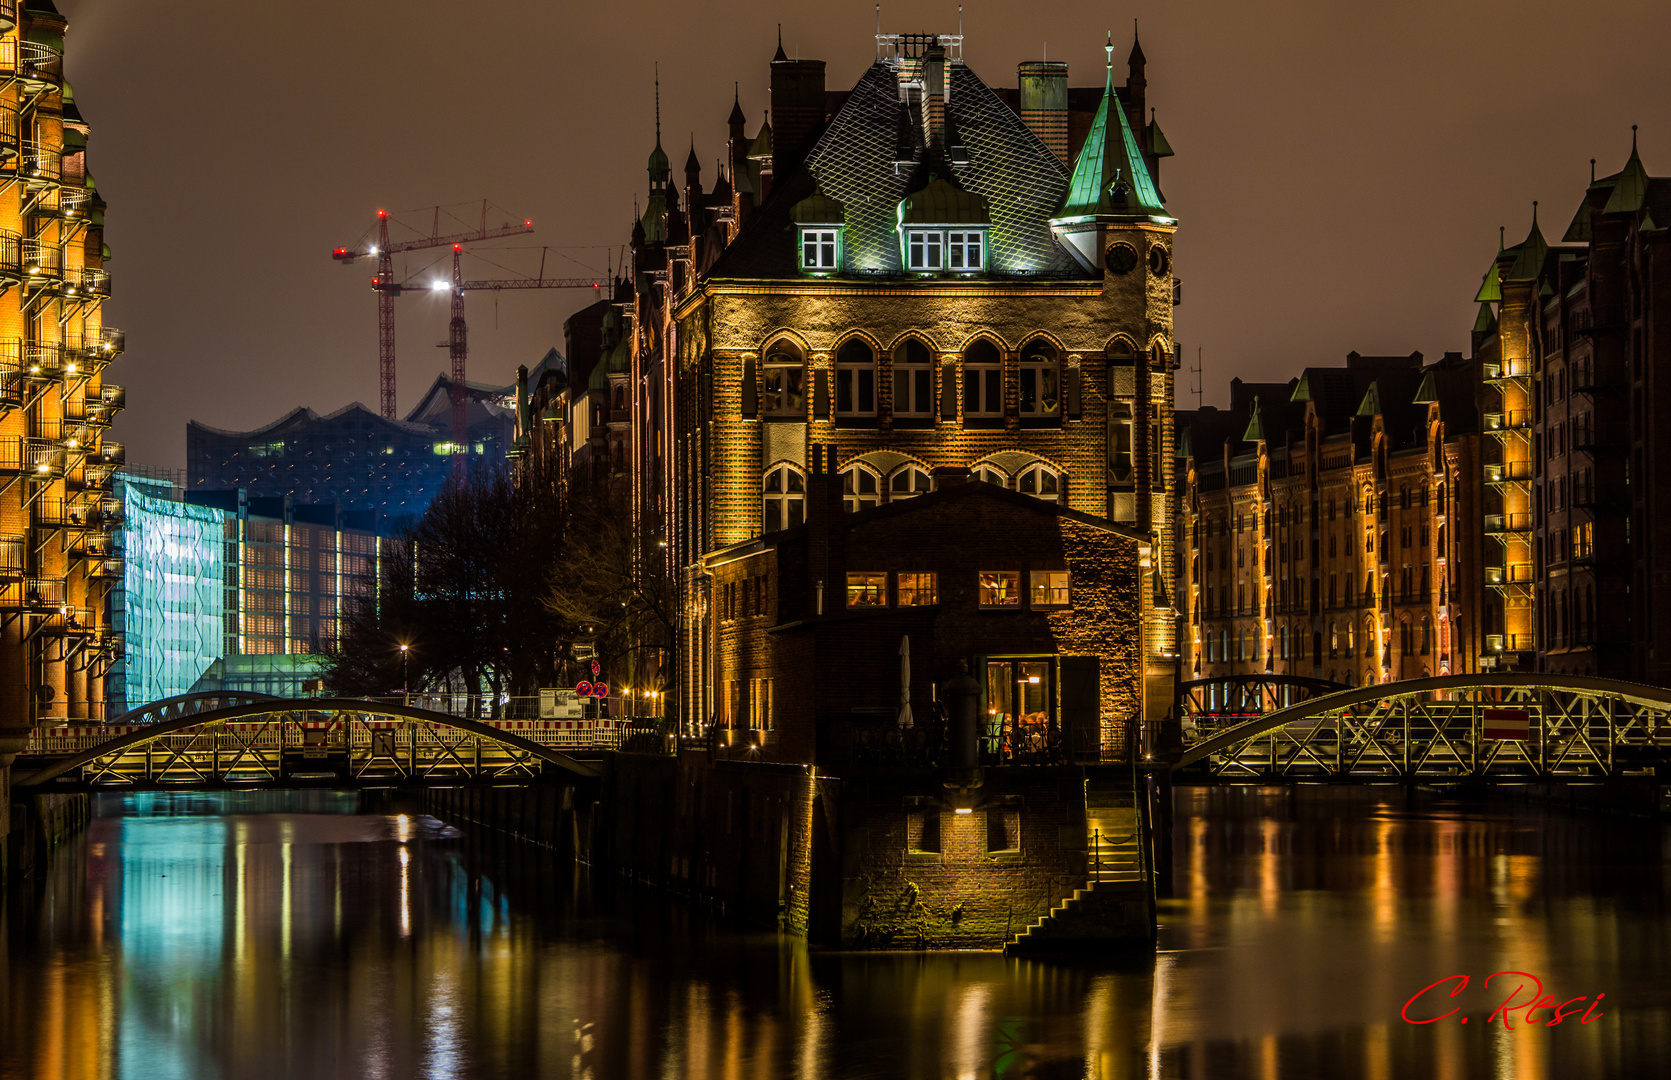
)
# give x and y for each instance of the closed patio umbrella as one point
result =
(904, 681)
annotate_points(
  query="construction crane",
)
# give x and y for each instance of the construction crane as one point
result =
(457, 336)
(386, 288)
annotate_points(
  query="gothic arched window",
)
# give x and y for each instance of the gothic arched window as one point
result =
(782, 498)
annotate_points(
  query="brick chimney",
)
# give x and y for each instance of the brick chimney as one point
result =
(797, 111)
(826, 531)
(1044, 102)
(934, 97)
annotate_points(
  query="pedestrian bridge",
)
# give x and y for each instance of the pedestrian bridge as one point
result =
(1434, 729)
(251, 740)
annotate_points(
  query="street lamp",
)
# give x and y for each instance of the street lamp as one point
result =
(405, 682)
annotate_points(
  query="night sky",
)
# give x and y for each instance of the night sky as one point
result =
(1341, 169)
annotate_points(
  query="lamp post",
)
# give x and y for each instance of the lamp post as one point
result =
(405, 682)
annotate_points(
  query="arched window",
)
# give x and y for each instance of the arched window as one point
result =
(1284, 652)
(855, 379)
(783, 498)
(784, 382)
(1224, 644)
(1427, 635)
(861, 489)
(983, 380)
(987, 474)
(913, 380)
(1041, 379)
(1041, 482)
(620, 397)
(907, 482)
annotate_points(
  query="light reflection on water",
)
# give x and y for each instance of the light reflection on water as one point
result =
(262, 935)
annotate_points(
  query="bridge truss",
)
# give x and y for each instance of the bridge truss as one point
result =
(277, 742)
(1433, 729)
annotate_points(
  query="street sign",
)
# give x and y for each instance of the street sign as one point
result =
(583, 688)
(600, 690)
(1502, 724)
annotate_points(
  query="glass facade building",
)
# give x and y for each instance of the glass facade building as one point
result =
(168, 604)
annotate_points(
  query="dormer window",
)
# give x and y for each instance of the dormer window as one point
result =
(966, 250)
(925, 249)
(819, 249)
(819, 219)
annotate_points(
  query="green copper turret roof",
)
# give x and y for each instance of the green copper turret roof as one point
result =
(818, 209)
(1487, 321)
(1491, 285)
(1255, 428)
(1631, 190)
(1158, 145)
(1428, 392)
(761, 147)
(1110, 159)
(1371, 403)
(1528, 264)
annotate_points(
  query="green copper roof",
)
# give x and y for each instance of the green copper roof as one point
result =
(1302, 389)
(74, 141)
(619, 360)
(761, 147)
(1528, 265)
(942, 204)
(1491, 286)
(1487, 321)
(1631, 190)
(599, 379)
(1428, 392)
(1158, 145)
(818, 209)
(1110, 158)
(1371, 404)
(1255, 429)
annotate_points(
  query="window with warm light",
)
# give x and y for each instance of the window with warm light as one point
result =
(1048, 588)
(867, 588)
(1000, 588)
(918, 589)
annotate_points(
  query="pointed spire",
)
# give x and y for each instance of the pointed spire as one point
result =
(1109, 50)
(1255, 427)
(1110, 158)
(1630, 191)
(1528, 265)
(692, 163)
(736, 116)
(1487, 320)
(780, 54)
(1136, 59)
(1491, 285)
(658, 103)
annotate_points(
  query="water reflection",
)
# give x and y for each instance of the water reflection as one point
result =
(258, 937)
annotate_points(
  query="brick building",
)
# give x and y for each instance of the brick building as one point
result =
(1570, 341)
(1330, 527)
(56, 406)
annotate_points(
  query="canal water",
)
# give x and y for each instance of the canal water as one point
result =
(271, 935)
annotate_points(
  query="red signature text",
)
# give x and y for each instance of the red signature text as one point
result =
(1518, 995)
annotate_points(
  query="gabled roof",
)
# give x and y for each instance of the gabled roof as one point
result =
(1110, 176)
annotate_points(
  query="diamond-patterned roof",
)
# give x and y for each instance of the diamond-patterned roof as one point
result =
(854, 162)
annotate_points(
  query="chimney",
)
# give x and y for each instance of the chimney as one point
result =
(1044, 102)
(934, 97)
(797, 111)
(826, 571)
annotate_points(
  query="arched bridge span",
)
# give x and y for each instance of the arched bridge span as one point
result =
(1437, 728)
(277, 741)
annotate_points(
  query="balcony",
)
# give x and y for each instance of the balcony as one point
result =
(43, 594)
(1498, 524)
(9, 140)
(86, 282)
(37, 165)
(43, 459)
(1500, 372)
(43, 362)
(108, 569)
(68, 620)
(11, 557)
(112, 454)
(107, 514)
(73, 201)
(93, 545)
(8, 14)
(1513, 420)
(1513, 574)
(41, 67)
(43, 263)
(1508, 472)
(103, 406)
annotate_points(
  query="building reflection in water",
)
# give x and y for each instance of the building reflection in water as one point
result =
(175, 941)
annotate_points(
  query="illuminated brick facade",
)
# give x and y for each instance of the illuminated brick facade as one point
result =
(1330, 527)
(57, 509)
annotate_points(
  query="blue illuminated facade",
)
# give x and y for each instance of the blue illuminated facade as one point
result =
(169, 605)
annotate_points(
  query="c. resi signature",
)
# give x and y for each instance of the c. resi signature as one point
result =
(1415, 1010)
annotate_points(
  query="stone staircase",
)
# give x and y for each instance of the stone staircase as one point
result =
(1115, 906)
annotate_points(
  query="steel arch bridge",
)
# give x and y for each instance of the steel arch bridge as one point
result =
(277, 742)
(1431, 729)
(1227, 697)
